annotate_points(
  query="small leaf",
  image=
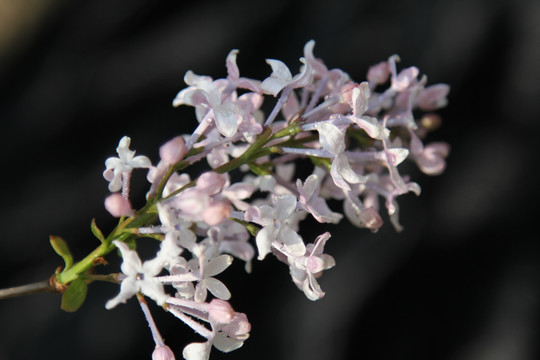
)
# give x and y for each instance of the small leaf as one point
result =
(61, 248)
(74, 295)
(95, 230)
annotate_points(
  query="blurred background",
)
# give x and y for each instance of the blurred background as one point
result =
(461, 282)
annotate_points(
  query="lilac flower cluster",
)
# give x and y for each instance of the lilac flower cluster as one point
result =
(354, 134)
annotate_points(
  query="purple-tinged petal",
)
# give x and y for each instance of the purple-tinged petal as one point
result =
(217, 288)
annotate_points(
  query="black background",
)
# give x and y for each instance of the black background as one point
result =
(460, 282)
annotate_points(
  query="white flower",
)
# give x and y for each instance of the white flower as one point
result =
(205, 95)
(276, 229)
(206, 272)
(359, 101)
(231, 238)
(118, 169)
(138, 277)
(306, 269)
(332, 139)
(312, 202)
(225, 337)
(233, 75)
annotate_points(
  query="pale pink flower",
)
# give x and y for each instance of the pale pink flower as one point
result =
(318, 66)
(405, 78)
(306, 269)
(431, 160)
(359, 103)
(310, 200)
(205, 95)
(276, 231)
(233, 75)
(224, 337)
(332, 139)
(378, 74)
(362, 216)
(433, 97)
(231, 238)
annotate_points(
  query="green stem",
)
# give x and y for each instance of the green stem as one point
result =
(148, 213)
(85, 264)
(108, 278)
(144, 217)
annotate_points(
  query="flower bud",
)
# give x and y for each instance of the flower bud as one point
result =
(211, 183)
(118, 206)
(239, 326)
(216, 212)
(371, 219)
(220, 311)
(163, 352)
(173, 150)
(378, 73)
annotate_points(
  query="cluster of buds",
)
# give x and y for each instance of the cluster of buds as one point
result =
(353, 135)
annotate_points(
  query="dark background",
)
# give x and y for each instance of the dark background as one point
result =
(462, 281)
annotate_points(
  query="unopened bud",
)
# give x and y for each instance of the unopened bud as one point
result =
(173, 150)
(118, 206)
(220, 311)
(211, 182)
(371, 219)
(378, 73)
(163, 352)
(216, 212)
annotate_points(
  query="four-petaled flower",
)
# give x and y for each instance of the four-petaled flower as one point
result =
(139, 276)
(118, 169)
(276, 230)
(306, 269)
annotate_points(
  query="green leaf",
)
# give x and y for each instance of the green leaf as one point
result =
(74, 295)
(61, 248)
(95, 230)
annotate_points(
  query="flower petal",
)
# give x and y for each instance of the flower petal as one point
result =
(217, 265)
(331, 138)
(292, 241)
(128, 288)
(226, 344)
(264, 240)
(226, 121)
(197, 351)
(131, 263)
(217, 288)
(285, 206)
